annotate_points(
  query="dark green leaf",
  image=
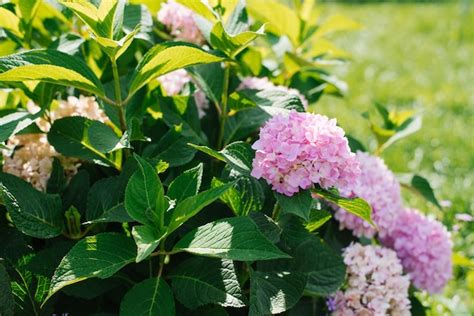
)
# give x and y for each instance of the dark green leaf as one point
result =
(7, 303)
(298, 204)
(76, 192)
(356, 206)
(147, 239)
(199, 281)
(80, 137)
(275, 292)
(210, 79)
(57, 179)
(144, 196)
(149, 297)
(186, 184)
(103, 196)
(34, 213)
(236, 238)
(13, 123)
(239, 155)
(193, 205)
(325, 269)
(317, 218)
(267, 226)
(422, 185)
(97, 256)
(209, 151)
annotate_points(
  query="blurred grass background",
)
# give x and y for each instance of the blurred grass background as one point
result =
(419, 56)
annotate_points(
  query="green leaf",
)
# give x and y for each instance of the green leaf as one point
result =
(99, 256)
(208, 151)
(239, 156)
(186, 185)
(275, 292)
(409, 127)
(246, 196)
(167, 57)
(27, 9)
(236, 238)
(193, 205)
(144, 196)
(147, 239)
(200, 281)
(80, 137)
(230, 44)
(10, 22)
(243, 123)
(115, 49)
(422, 186)
(317, 218)
(49, 66)
(150, 297)
(13, 123)
(281, 19)
(325, 268)
(34, 213)
(57, 179)
(273, 101)
(298, 204)
(356, 206)
(267, 226)
(210, 79)
(103, 196)
(7, 303)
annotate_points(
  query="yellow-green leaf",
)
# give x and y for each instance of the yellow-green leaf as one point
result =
(167, 57)
(49, 66)
(10, 22)
(336, 23)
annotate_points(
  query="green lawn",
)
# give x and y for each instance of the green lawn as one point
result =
(418, 57)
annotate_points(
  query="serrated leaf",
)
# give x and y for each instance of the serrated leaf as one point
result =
(34, 213)
(147, 239)
(356, 206)
(98, 256)
(7, 303)
(167, 57)
(193, 205)
(186, 184)
(230, 44)
(275, 292)
(267, 226)
(299, 204)
(13, 123)
(103, 196)
(246, 196)
(200, 281)
(239, 155)
(51, 66)
(149, 297)
(325, 268)
(236, 238)
(144, 196)
(80, 137)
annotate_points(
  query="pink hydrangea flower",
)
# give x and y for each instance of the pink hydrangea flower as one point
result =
(424, 247)
(180, 20)
(173, 82)
(32, 159)
(375, 284)
(265, 83)
(297, 150)
(379, 187)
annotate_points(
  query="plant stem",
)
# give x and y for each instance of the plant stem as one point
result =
(118, 95)
(224, 100)
(276, 211)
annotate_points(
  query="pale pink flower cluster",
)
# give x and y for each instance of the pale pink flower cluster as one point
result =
(424, 248)
(180, 21)
(173, 82)
(33, 156)
(376, 286)
(379, 187)
(297, 150)
(264, 84)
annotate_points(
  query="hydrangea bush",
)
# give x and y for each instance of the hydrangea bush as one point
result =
(167, 158)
